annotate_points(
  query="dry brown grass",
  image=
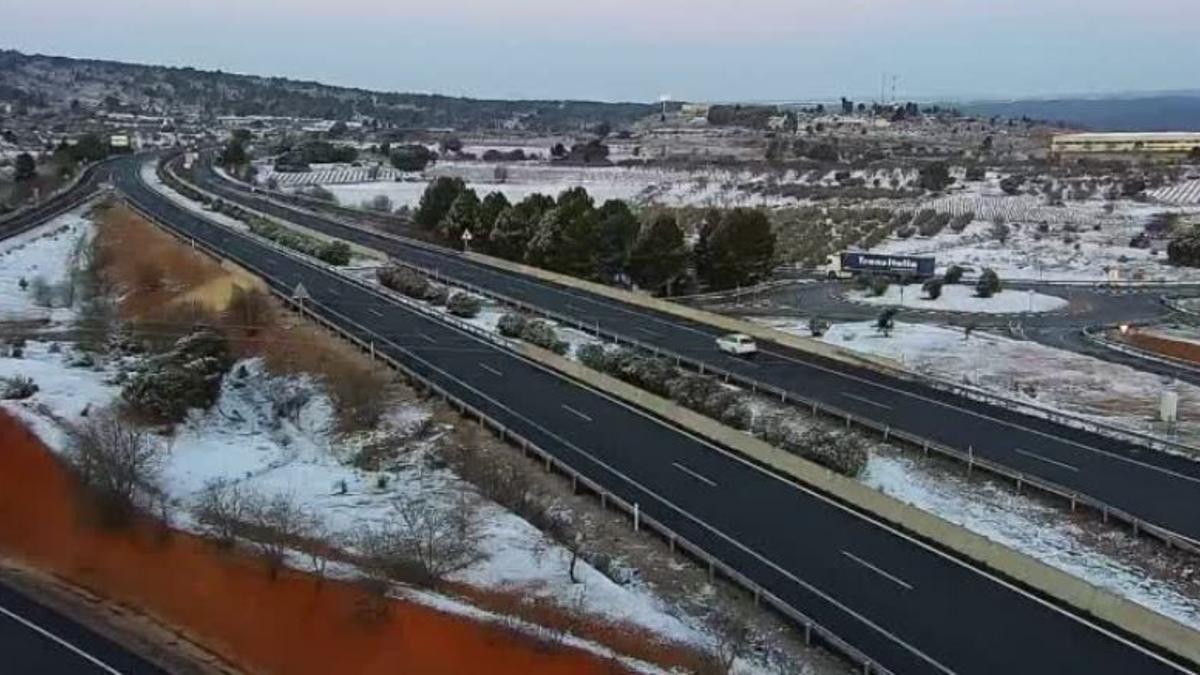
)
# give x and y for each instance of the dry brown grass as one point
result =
(167, 290)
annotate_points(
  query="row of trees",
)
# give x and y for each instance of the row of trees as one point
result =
(607, 243)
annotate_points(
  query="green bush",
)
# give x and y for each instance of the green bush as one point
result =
(404, 280)
(953, 275)
(988, 284)
(464, 305)
(879, 286)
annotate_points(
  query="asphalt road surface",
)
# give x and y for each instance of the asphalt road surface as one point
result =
(35, 640)
(909, 606)
(1155, 487)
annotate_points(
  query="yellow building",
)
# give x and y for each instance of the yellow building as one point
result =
(1167, 142)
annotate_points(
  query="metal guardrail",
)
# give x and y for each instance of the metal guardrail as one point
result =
(1091, 336)
(714, 564)
(1074, 497)
(979, 395)
(968, 457)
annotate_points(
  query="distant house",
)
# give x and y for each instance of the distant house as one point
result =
(1168, 142)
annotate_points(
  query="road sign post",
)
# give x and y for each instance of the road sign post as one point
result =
(466, 239)
(300, 294)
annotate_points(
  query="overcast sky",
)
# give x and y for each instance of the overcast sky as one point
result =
(642, 49)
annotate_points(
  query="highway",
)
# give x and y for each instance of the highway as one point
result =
(1156, 487)
(910, 607)
(35, 639)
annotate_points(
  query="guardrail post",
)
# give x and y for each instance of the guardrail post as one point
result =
(1136, 527)
(574, 483)
(886, 432)
(604, 500)
(637, 517)
(672, 544)
(372, 350)
(847, 420)
(1072, 503)
(971, 466)
(808, 634)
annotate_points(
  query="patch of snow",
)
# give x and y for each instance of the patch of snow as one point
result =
(992, 509)
(1074, 383)
(962, 298)
(240, 441)
(46, 253)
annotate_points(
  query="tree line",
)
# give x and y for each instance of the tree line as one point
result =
(608, 243)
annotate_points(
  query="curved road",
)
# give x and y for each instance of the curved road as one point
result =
(1158, 488)
(909, 606)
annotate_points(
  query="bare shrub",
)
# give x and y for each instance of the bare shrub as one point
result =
(276, 525)
(221, 509)
(118, 463)
(423, 542)
(732, 636)
(17, 388)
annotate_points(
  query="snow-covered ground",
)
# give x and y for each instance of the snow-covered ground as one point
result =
(240, 441)
(961, 298)
(1081, 385)
(1077, 242)
(43, 256)
(713, 187)
(1102, 557)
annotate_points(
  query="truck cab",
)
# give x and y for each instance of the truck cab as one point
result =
(832, 269)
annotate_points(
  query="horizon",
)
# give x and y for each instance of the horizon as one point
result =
(762, 50)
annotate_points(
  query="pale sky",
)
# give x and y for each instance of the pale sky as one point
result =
(641, 49)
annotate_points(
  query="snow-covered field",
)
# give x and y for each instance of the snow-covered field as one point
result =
(1026, 371)
(960, 298)
(1079, 241)
(42, 256)
(664, 186)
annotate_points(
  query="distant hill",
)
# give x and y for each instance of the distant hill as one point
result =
(1174, 112)
(39, 82)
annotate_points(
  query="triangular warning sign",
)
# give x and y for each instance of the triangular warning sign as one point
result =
(301, 293)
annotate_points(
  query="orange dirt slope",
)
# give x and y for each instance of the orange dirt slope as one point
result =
(295, 625)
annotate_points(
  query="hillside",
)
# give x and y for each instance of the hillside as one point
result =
(37, 81)
(1175, 112)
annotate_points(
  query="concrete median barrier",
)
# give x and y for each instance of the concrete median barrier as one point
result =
(1081, 596)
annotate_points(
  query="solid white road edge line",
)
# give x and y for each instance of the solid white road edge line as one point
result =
(51, 636)
(734, 456)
